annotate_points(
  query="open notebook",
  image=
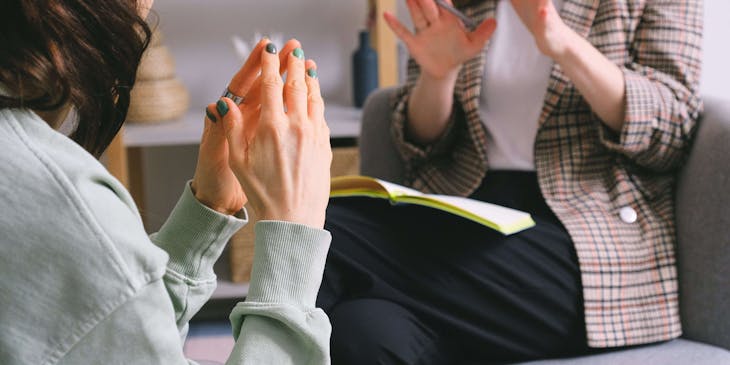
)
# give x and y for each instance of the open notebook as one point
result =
(504, 220)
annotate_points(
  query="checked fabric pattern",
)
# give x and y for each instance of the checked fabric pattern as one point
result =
(587, 172)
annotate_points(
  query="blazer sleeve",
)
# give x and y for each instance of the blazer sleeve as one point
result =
(412, 153)
(662, 86)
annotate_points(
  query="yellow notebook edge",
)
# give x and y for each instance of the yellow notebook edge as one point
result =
(506, 230)
(343, 193)
(509, 229)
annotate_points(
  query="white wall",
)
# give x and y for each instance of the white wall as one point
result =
(716, 73)
(199, 34)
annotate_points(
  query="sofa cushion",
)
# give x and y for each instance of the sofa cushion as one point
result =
(677, 352)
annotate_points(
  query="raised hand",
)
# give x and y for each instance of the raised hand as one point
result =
(441, 43)
(278, 141)
(544, 22)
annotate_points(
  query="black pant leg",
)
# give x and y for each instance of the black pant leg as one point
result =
(375, 331)
(495, 298)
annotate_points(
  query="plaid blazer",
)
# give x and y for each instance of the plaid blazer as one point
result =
(614, 192)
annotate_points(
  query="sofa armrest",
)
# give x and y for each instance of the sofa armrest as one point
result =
(703, 228)
(378, 155)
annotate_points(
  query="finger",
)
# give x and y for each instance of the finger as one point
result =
(419, 21)
(429, 9)
(295, 88)
(399, 29)
(315, 103)
(232, 121)
(288, 48)
(272, 85)
(213, 121)
(214, 140)
(211, 118)
(253, 97)
(210, 114)
(482, 33)
(244, 78)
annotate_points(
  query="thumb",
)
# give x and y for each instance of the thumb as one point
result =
(231, 123)
(479, 36)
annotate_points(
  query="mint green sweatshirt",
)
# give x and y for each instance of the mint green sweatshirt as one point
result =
(82, 283)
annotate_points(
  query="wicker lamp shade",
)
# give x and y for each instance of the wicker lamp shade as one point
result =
(158, 95)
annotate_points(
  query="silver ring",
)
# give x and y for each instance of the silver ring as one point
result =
(236, 99)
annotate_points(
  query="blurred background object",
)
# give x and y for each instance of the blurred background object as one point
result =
(158, 94)
(364, 70)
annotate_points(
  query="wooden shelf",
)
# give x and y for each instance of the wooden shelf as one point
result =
(344, 122)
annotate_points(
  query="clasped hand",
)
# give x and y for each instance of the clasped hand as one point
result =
(272, 150)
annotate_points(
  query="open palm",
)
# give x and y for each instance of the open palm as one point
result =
(441, 43)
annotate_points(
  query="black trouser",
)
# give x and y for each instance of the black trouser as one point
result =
(406, 284)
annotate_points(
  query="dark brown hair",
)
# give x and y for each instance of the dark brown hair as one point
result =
(82, 52)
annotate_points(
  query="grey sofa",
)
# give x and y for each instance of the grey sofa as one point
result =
(703, 221)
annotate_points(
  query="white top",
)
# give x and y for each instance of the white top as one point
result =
(515, 82)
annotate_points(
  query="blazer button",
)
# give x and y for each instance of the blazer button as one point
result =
(628, 215)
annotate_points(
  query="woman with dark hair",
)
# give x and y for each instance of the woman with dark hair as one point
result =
(81, 280)
(579, 112)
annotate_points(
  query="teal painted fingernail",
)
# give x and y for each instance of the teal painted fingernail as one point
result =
(222, 108)
(210, 115)
(298, 53)
(312, 73)
(271, 48)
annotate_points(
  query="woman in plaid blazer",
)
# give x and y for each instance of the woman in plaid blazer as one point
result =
(617, 122)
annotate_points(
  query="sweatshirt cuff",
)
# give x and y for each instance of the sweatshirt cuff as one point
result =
(288, 264)
(194, 236)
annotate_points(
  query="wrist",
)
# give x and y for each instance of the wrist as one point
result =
(441, 87)
(283, 214)
(445, 81)
(556, 41)
(202, 199)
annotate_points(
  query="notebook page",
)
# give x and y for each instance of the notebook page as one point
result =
(399, 190)
(500, 215)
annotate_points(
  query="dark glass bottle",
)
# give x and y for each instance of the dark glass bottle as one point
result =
(364, 70)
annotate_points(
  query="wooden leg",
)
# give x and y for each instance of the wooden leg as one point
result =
(126, 165)
(384, 42)
(136, 179)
